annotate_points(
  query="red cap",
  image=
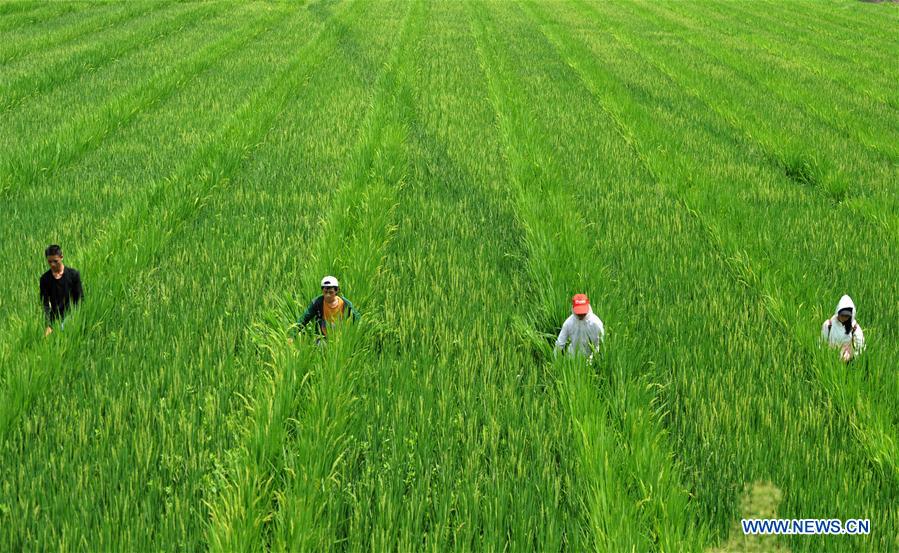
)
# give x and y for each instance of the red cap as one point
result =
(580, 305)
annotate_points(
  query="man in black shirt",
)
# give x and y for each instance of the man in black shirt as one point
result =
(60, 288)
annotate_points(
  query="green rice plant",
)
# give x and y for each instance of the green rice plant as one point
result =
(201, 175)
(63, 69)
(837, 31)
(175, 381)
(858, 122)
(86, 24)
(71, 140)
(99, 88)
(208, 168)
(119, 232)
(875, 239)
(611, 529)
(803, 54)
(10, 8)
(44, 13)
(802, 227)
(660, 169)
(402, 496)
(810, 155)
(359, 227)
(133, 163)
(463, 168)
(363, 222)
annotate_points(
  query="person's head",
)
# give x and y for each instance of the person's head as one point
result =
(844, 315)
(53, 253)
(580, 305)
(330, 288)
(845, 311)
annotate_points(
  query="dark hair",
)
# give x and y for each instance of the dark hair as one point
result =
(847, 326)
(53, 249)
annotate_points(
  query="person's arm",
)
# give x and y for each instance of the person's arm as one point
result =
(303, 320)
(45, 302)
(858, 339)
(825, 331)
(48, 309)
(77, 290)
(563, 337)
(308, 315)
(596, 336)
(354, 315)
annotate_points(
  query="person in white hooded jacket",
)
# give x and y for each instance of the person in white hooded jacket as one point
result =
(582, 331)
(842, 330)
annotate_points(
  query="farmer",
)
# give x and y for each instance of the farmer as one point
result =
(60, 288)
(329, 308)
(583, 331)
(842, 331)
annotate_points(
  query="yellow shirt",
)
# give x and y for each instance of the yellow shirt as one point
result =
(333, 314)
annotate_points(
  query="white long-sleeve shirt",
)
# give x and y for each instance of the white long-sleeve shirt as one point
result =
(580, 334)
(834, 334)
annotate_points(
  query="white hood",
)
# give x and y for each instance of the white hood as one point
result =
(833, 332)
(844, 303)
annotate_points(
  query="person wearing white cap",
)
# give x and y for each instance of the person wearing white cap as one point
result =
(329, 308)
(842, 331)
(582, 331)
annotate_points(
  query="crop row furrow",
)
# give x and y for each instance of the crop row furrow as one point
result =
(20, 49)
(841, 110)
(873, 434)
(18, 7)
(868, 425)
(441, 419)
(45, 12)
(850, 42)
(320, 444)
(735, 162)
(799, 52)
(847, 23)
(608, 529)
(131, 195)
(66, 69)
(817, 164)
(73, 139)
(244, 512)
(614, 526)
(713, 177)
(268, 204)
(116, 180)
(143, 231)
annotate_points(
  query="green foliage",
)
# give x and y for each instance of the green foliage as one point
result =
(714, 176)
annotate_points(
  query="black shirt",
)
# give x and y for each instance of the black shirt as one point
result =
(57, 294)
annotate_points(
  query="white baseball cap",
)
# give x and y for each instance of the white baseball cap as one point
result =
(330, 281)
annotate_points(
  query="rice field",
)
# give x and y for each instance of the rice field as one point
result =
(713, 175)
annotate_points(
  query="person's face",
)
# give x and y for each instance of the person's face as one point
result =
(55, 263)
(581, 316)
(329, 293)
(843, 318)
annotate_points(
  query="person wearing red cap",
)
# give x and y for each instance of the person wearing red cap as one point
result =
(583, 331)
